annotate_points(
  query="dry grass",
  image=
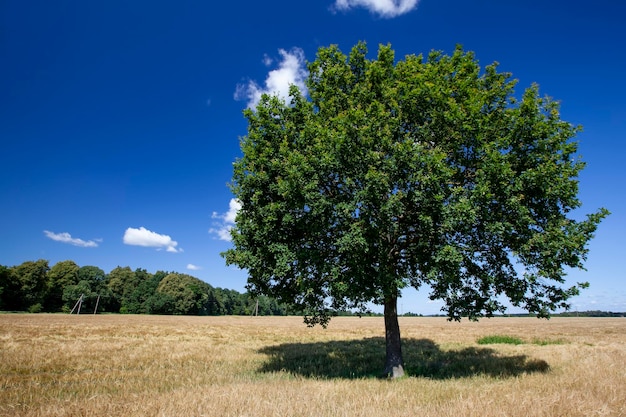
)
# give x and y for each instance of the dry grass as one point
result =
(113, 365)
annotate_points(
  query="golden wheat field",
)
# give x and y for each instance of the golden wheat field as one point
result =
(125, 365)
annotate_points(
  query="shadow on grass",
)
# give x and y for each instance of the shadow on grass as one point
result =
(365, 359)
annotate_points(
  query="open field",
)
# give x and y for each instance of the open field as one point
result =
(118, 365)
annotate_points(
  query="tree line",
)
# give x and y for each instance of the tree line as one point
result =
(35, 287)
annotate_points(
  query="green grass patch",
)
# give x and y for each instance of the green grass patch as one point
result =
(499, 339)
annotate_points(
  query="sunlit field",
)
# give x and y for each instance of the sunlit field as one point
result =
(121, 365)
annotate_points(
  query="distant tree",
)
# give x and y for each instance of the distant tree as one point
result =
(83, 292)
(234, 303)
(214, 303)
(5, 286)
(92, 274)
(31, 279)
(159, 303)
(189, 294)
(122, 281)
(156, 303)
(98, 284)
(421, 172)
(145, 299)
(61, 275)
(266, 306)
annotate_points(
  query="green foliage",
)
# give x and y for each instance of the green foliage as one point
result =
(92, 274)
(157, 303)
(62, 274)
(5, 283)
(499, 339)
(143, 299)
(35, 308)
(72, 293)
(231, 302)
(28, 286)
(423, 171)
(121, 282)
(190, 295)
(125, 291)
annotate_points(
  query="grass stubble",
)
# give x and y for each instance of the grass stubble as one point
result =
(127, 365)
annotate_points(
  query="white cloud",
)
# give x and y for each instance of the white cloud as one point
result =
(144, 237)
(291, 70)
(223, 232)
(267, 60)
(67, 238)
(193, 267)
(226, 221)
(383, 8)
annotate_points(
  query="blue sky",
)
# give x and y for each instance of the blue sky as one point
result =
(120, 120)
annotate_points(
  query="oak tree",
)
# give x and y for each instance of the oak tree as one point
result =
(424, 172)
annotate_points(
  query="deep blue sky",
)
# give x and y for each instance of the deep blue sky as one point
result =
(120, 120)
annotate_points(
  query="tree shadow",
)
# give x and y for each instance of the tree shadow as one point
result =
(365, 359)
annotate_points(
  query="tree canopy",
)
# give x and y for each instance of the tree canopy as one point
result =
(427, 171)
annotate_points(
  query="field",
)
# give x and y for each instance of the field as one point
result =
(124, 365)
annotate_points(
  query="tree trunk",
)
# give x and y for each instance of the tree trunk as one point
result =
(394, 366)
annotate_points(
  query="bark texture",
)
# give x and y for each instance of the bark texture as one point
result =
(394, 366)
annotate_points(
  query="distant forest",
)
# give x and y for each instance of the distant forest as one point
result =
(588, 313)
(35, 287)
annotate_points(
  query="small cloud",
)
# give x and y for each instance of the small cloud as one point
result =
(226, 221)
(193, 267)
(291, 71)
(382, 8)
(146, 238)
(267, 60)
(67, 238)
